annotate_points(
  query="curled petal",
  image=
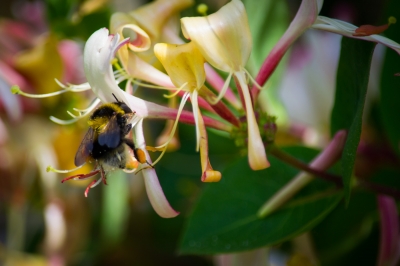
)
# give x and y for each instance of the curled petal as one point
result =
(99, 51)
(223, 38)
(348, 30)
(127, 27)
(155, 15)
(153, 187)
(183, 63)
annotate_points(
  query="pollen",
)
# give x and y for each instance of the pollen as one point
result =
(202, 9)
(367, 30)
(211, 176)
(15, 89)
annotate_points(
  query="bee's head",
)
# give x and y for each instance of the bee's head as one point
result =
(123, 105)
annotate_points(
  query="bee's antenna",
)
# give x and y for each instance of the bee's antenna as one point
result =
(115, 97)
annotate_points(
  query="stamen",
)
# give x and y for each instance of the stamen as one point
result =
(15, 89)
(181, 105)
(73, 87)
(223, 90)
(176, 92)
(82, 113)
(164, 149)
(164, 146)
(52, 169)
(202, 9)
(71, 114)
(253, 81)
(128, 86)
(367, 30)
(152, 86)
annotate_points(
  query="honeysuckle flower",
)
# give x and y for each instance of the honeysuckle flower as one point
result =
(185, 66)
(126, 26)
(99, 52)
(147, 25)
(224, 40)
(139, 41)
(155, 16)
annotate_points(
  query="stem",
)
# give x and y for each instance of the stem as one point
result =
(220, 108)
(378, 189)
(363, 184)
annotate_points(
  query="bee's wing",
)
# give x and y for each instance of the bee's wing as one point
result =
(111, 134)
(85, 148)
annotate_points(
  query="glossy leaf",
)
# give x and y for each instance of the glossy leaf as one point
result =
(224, 219)
(115, 206)
(351, 89)
(345, 228)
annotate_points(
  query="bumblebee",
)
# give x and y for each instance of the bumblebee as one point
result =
(105, 142)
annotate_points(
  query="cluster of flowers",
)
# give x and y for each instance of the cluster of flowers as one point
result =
(219, 41)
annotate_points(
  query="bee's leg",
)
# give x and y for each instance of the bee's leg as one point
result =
(127, 128)
(103, 175)
(138, 153)
(130, 143)
(81, 176)
(92, 185)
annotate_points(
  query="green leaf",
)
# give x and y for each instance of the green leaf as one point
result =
(345, 228)
(390, 84)
(224, 219)
(351, 89)
(115, 210)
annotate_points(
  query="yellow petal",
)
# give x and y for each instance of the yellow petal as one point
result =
(183, 63)
(153, 16)
(127, 27)
(208, 173)
(137, 68)
(223, 38)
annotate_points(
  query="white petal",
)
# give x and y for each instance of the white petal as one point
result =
(347, 29)
(154, 190)
(223, 38)
(99, 51)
